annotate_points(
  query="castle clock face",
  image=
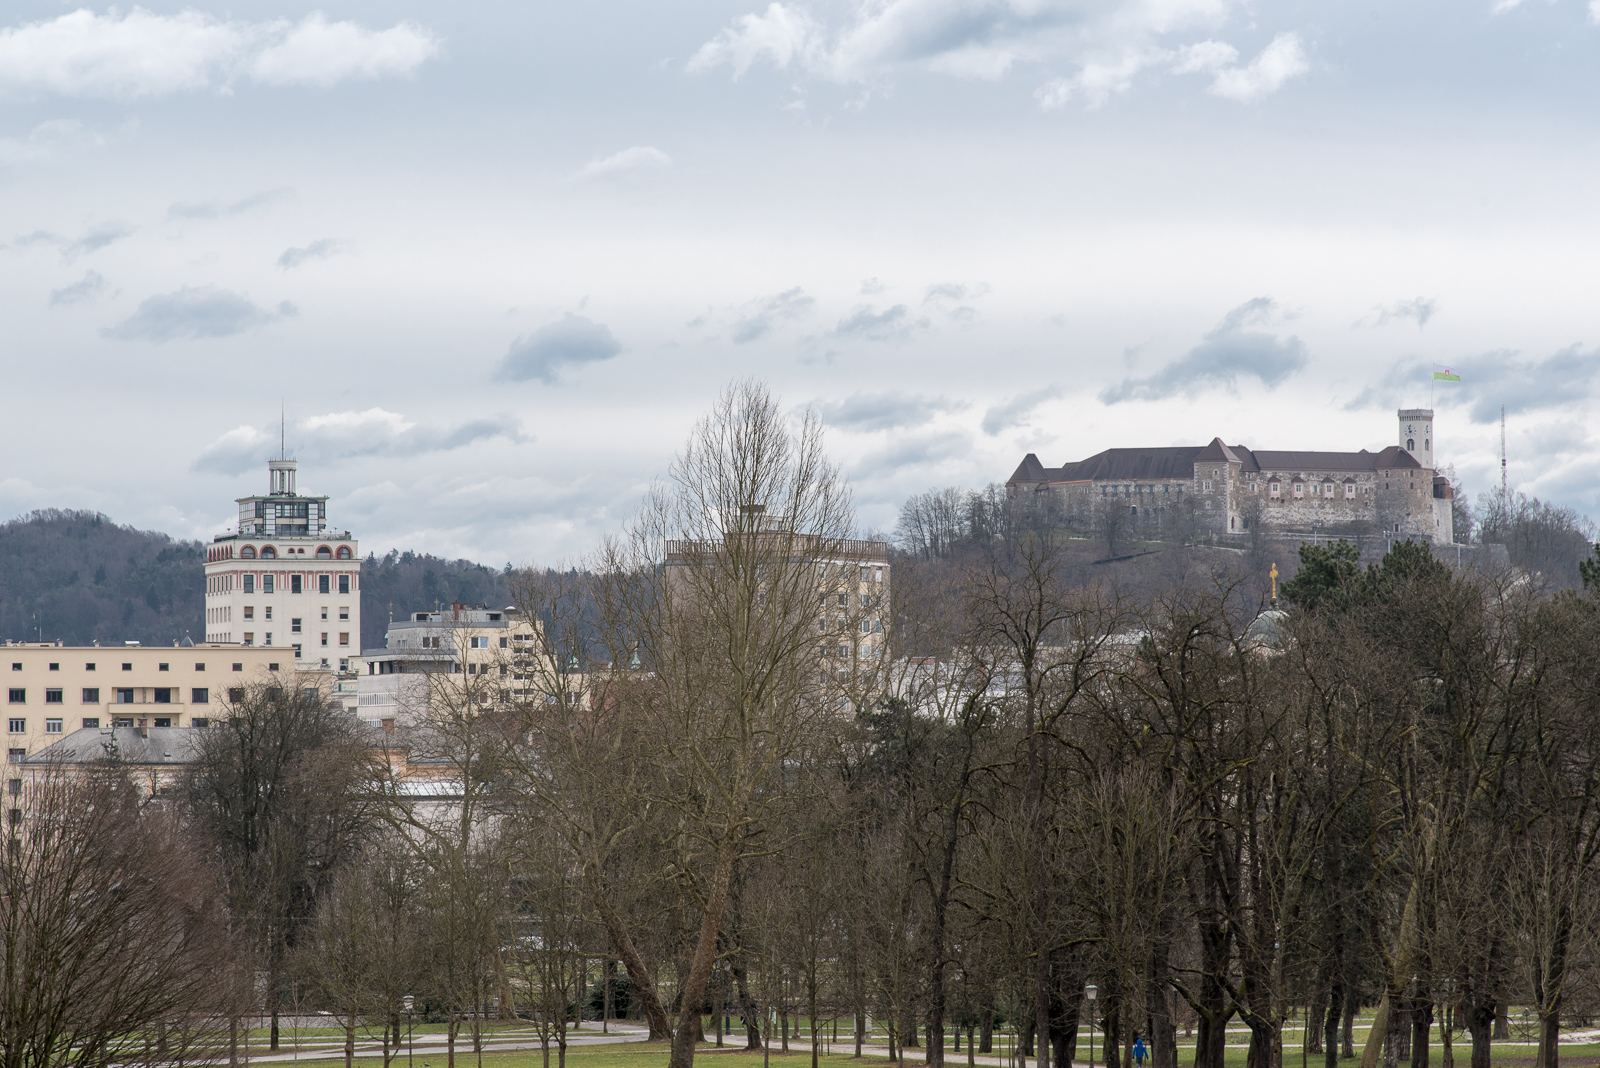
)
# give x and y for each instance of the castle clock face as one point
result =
(1410, 429)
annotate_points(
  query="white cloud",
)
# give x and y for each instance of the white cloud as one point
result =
(143, 54)
(343, 435)
(780, 34)
(1281, 60)
(322, 53)
(628, 161)
(48, 140)
(1108, 43)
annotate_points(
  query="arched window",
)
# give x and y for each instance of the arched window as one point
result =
(1411, 444)
(268, 553)
(324, 553)
(344, 552)
(247, 553)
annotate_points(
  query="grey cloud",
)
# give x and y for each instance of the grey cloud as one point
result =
(1491, 379)
(541, 354)
(213, 210)
(1525, 385)
(1418, 309)
(763, 314)
(352, 435)
(1226, 353)
(945, 291)
(317, 250)
(871, 287)
(96, 237)
(884, 411)
(869, 324)
(91, 286)
(195, 312)
(1015, 411)
(905, 451)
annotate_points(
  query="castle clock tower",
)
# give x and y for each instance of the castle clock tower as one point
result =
(1416, 434)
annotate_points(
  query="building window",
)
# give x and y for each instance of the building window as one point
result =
(272, 667)
(161, 667)
(344, 552)
(238, 667)
(52, 726)
(344, 613)
(344, 583)
(268, 553)
(1299, 490)
(322, 583)
(247, 553)
(200, 721)
(55, 667)
(294, 626)
(199, 667)
(16, 755)
(324, 553)
(18, 725)
(163, 721)
(1206, 486)
(199, 695)
(294, 583)
(127, 667)
(268, 613)
(19, 696)
(88, 667)
(324, 637)
(267, 584)
(480, 643)
(91, 723)
(249, 585)
(249, 639)
(52, 697)
(125, 695)
(164, 695)
(91, 695)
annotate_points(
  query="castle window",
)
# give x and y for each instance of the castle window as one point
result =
(1349, 489)
(1299, 490)
(1272, 488)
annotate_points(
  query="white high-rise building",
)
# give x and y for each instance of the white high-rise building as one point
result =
(284, 578)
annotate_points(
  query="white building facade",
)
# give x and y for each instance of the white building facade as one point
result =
(285, 578)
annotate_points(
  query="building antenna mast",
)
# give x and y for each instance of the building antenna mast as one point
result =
(1502, 452)
(283, 434)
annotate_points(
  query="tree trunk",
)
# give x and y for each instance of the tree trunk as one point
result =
(643, 988)
(1421, 1026)
(1480, 1025)
(986, 1028)
(349, 1041)
(748, 1012)
(1347, 1039)
(1330, 1026)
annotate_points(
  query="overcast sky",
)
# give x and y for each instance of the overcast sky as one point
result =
(494, 258)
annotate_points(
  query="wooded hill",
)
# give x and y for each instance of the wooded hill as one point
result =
(80, 577)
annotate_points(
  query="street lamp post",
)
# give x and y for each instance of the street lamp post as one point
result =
(410, 1046)
(1091, 992)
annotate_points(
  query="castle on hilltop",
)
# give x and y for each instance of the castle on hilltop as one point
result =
(1231, 490)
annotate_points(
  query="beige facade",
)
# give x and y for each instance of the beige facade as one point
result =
(53, 691)
(284, 578)
(492, 650)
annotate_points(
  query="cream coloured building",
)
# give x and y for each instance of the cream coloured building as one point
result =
(284, 578)
(55, 690)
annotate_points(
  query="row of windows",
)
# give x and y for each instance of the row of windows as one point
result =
(250, 613)
(843, 599)
(324, 584)
(270, 553)
(161, 695)
(16, 665)
(868, 572)
(90, 723)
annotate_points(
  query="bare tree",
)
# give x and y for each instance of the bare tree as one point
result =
(112, 937)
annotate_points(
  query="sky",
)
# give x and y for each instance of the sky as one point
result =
(489, 261)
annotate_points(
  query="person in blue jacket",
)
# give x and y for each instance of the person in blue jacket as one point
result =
(1138, 1051)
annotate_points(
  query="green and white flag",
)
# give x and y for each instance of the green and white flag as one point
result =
(1445, 374)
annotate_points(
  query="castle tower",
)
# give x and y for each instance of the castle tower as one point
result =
(1416, 434)
(284, 579)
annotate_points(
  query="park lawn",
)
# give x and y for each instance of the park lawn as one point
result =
(631, 1055)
